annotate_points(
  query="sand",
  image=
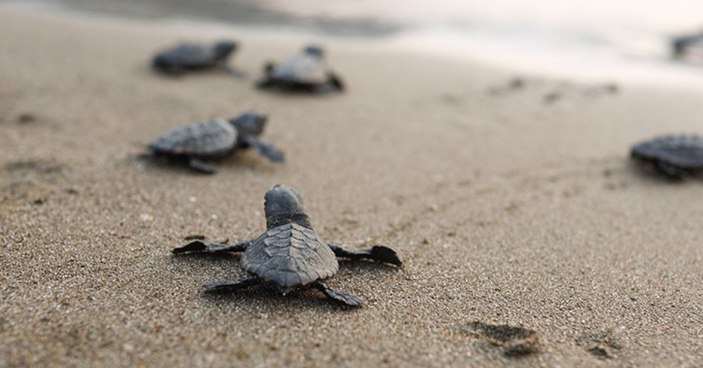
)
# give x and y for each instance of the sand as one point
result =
(528, 237)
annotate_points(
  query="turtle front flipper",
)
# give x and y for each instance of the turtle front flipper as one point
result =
(201, 166)
(270, 152)
(338, 296)
(268, 69)
(199, 246)
(378, 253)
(224, 286)
(335, 82)
(670, 171)
(268, 80)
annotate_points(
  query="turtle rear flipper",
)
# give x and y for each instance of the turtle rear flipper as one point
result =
(201, 166)
(224, 286)
(338, 296)
(267, 150)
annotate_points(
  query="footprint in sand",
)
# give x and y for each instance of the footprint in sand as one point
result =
(30, 179)
(24, 119)
(513, 85)
(554, 91)
(601, 344)
(515, 341)
(40, 168)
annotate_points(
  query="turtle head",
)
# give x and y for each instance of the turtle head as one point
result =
(249, 123)
(314, 50)
(223, 49)
(283, 204)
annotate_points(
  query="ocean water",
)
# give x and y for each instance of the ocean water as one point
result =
(601, 39)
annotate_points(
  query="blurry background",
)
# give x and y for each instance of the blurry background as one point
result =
(510, 194)
(569, 38)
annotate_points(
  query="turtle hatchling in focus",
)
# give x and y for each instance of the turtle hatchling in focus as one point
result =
(197, 143)
(673, 156)
(190, 57)
(289, 255)
(305, 72)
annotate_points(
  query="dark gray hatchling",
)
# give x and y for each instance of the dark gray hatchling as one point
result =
(289, 254)
(190, 56)
(683, 45)
(197, 143)
(306, 72)
(674, 156)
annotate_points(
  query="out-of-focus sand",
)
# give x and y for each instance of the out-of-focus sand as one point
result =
(505, 208)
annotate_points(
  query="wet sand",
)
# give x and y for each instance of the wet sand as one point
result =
(528, 237)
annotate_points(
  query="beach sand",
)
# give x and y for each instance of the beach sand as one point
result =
(510, 204)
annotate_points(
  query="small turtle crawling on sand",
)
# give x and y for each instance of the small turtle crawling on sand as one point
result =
(306, 72)
(197, 143)
(289, 254)
(674, 156)
(190, 56)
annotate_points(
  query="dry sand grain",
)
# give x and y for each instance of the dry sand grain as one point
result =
(510, 203)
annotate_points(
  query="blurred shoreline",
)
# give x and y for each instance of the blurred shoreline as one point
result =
(240, 13)
(598, 45)
(604, 44)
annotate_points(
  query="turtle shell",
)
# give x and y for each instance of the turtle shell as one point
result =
(290, 255)
(681, 151)
(187, 55)
(304, 69)
(210, 138)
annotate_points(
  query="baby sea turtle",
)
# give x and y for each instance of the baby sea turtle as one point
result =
(674, 156)
(289, 254)
(307, 72)
(199, 142)
(682, 45)
(190, 56)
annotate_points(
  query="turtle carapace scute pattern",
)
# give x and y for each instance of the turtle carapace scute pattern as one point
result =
(673, 156)
(197, 143)
(305, 72)
(191, 56)
(290, 254)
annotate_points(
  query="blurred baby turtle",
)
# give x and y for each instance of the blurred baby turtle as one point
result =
(683, 45)
(674, 156)
(305, 72)
(197, 143)
(189, 56)
(289, 254)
